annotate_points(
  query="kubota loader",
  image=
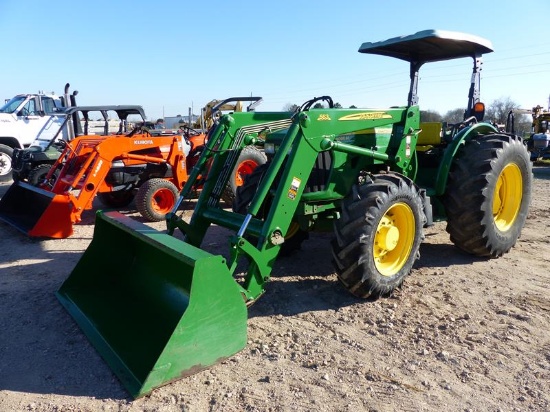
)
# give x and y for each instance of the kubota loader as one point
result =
(107, 166)
(148, 165)
(163, 308)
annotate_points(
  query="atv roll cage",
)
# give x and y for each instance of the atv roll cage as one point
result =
(73, 114)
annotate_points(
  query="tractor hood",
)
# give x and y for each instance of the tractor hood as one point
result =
(429, 46)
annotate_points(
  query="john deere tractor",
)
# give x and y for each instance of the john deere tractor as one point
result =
(163, 308)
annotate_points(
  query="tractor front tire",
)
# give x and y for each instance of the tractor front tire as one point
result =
(378, 235)
(488, 194)
(116, 199)
(245, 193)
(38, 173)
(249, 159)
(155, 198)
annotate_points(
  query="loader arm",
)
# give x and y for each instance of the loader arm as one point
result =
(374, 138)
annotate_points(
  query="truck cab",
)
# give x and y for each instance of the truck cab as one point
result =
(26, 116)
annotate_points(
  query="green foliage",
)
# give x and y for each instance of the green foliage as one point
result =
(290, 107)
(430, 116)
(454, 115)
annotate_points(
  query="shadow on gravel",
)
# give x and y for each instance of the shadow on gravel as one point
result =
(41, 348)
(444, 255)
(541, 172)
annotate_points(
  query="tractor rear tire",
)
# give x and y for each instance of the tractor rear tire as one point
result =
(245, 193)
(155, 198)
(249, 159)
(116, 199)
(378, 235)
(488, 194)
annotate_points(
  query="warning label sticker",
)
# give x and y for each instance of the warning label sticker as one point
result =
(294, 186)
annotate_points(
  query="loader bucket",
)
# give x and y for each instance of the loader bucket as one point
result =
(36, 212)
(156, 309)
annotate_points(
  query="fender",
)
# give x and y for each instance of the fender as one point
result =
(460, 138)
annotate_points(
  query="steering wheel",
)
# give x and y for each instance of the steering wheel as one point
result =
(453, 128)
(61, 143)
(138, 129)
(189, 132)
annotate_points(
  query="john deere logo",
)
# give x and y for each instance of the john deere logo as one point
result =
(366, 116)
(324, 117)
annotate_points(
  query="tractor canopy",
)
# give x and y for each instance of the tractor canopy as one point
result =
(432, 46)
(429, 46)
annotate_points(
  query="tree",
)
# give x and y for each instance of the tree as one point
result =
(454, 115)
(430, 116)
(497, 111)
(337, 105)
(289, 107)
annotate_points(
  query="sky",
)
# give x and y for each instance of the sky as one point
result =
(169, 56)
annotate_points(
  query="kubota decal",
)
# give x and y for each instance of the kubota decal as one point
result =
(97, 168)
(143, 142)
(366, 116)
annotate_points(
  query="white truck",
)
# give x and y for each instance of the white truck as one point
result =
(26, 116)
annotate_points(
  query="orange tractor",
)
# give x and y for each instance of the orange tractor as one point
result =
(147, 166)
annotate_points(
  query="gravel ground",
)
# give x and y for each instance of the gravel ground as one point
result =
(462, 334)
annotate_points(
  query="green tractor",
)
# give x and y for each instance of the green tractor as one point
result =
(162, 308)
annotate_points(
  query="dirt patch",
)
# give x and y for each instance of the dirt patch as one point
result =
(462, 334)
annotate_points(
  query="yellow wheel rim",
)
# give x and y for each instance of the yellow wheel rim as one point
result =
(507, 197)
(292, 230)
(394, 239)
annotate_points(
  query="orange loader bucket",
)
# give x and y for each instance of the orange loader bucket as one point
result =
(36, 212)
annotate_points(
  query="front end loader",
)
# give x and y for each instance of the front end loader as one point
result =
(107, 166)
(163, 308)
